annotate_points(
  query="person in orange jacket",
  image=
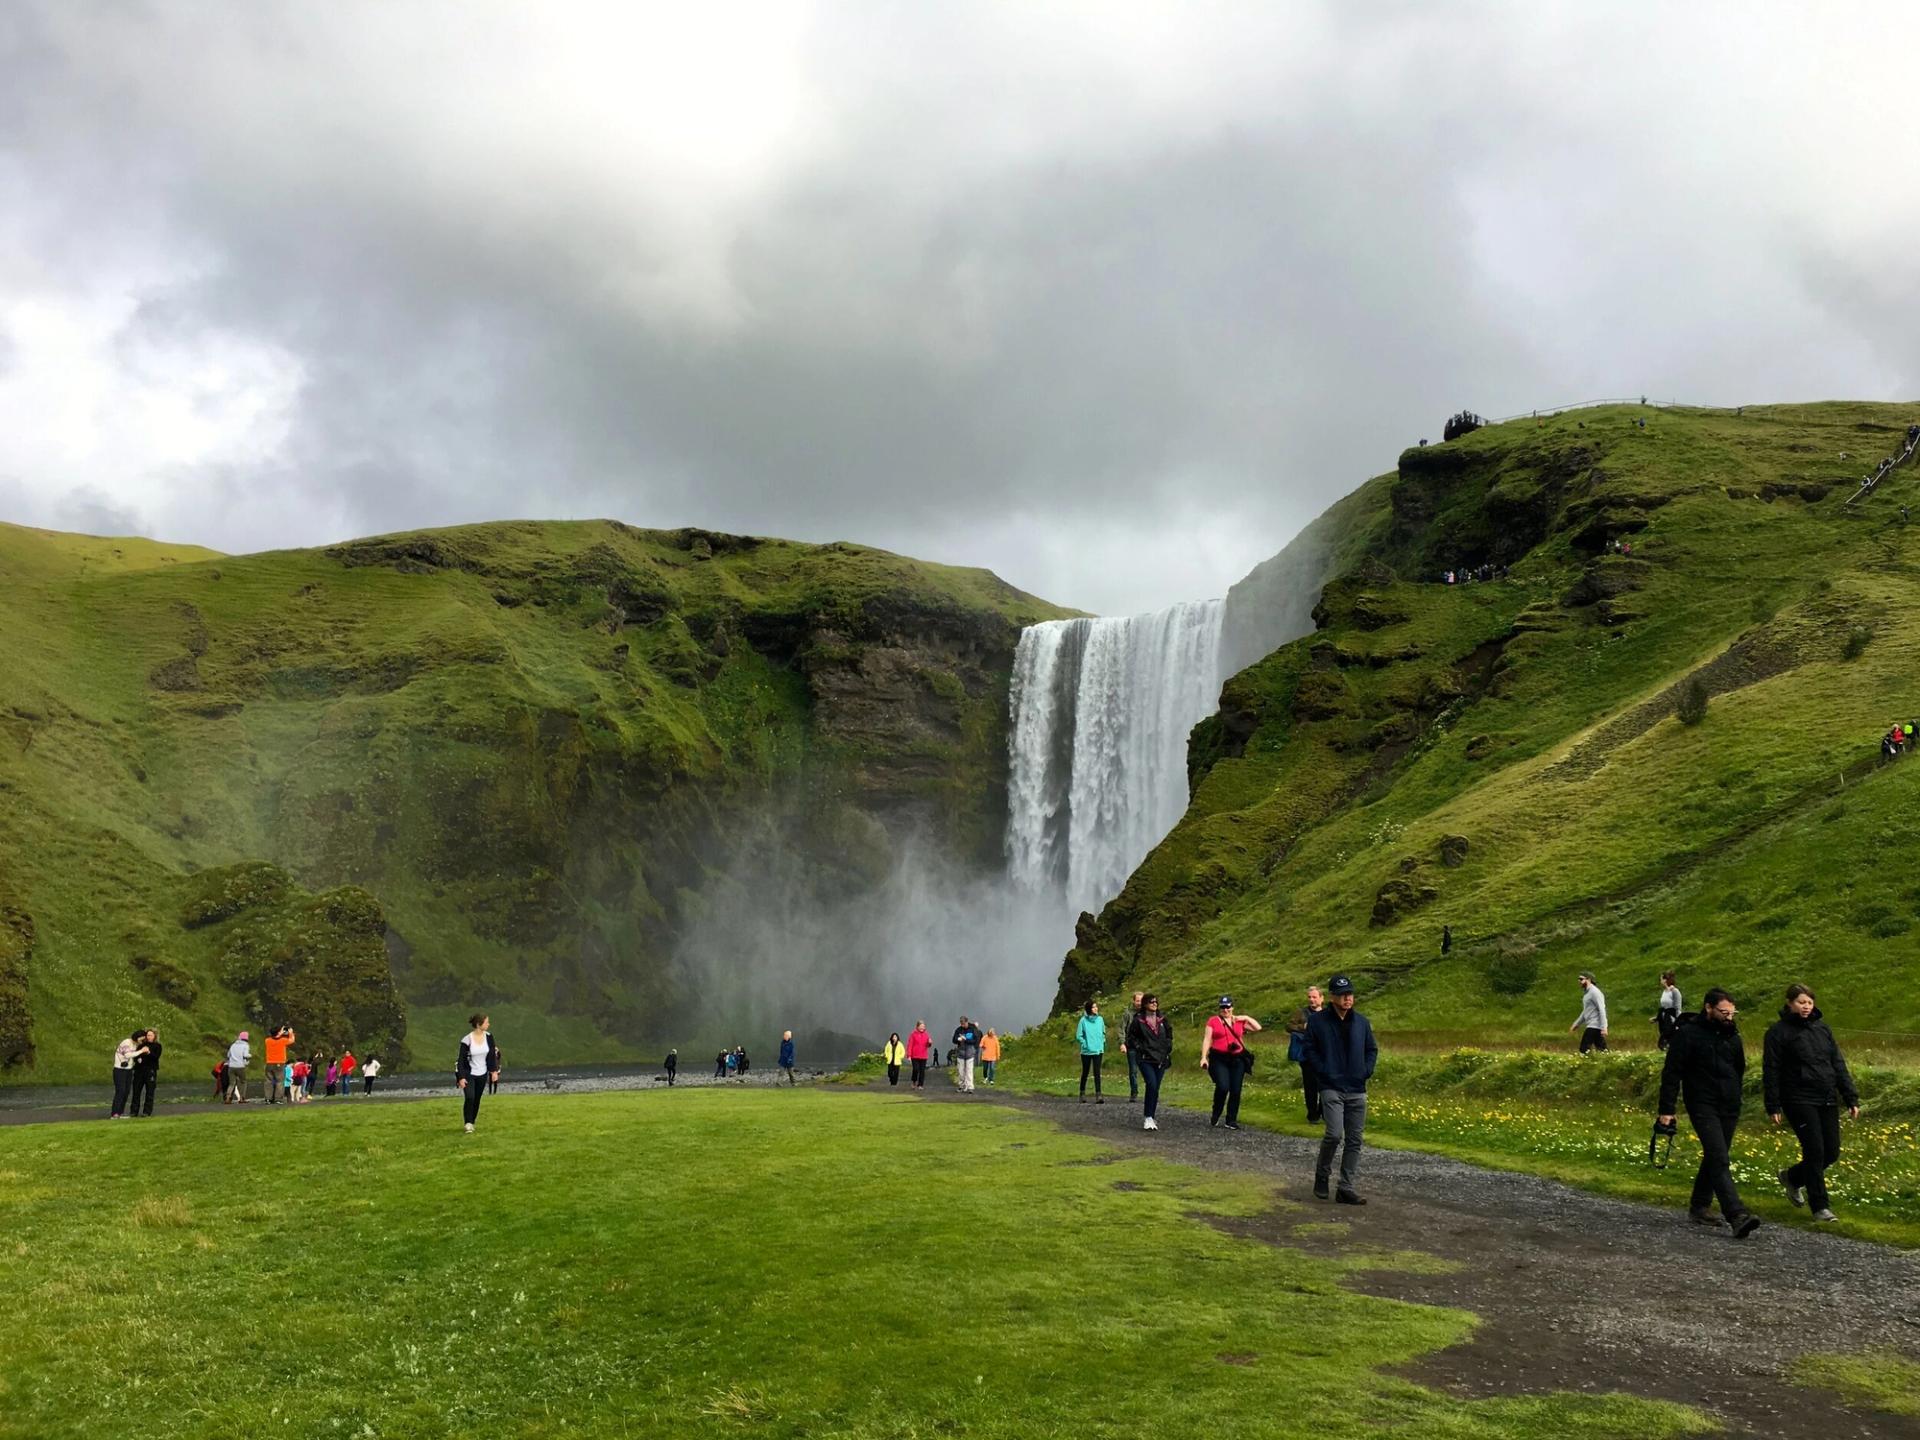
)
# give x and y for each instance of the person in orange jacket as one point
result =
(989, 1055)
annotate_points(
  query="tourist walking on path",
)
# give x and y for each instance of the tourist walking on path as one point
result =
(1224, 1056)
(479, 1062)
(895, 1055)
(966, 1049)
(1091, 1032)
(1341, 1046)
(1592, 1021)
(989, 1055)
(673, 1066)
(369, 1070)
(1705, 1066)
(1126, 1049)
(1806, 1081)
(1297, 1051)
(125, 1055)
(239, 1056)
(276, 1043)
(1667, 1014)
(146, 1074)
(787, 1055)
(919, 1042)
(1150, 1049)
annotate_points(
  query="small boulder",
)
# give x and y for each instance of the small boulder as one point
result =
(1453, 851)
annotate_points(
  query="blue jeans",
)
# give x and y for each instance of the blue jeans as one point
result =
(986, 1070)
(1151, 1076)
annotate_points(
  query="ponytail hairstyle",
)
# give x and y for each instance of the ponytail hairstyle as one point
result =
(477, 1018)
(1667, 977)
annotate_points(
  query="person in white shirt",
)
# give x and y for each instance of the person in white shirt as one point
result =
(479, 1063)
(1592, 1020)
(368, 1071)
(1667, 1016)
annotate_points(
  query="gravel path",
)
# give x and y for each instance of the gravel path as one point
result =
(1574, 1291)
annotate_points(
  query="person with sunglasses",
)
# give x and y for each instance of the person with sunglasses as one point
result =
(1150, 1050)
(1223, 1055)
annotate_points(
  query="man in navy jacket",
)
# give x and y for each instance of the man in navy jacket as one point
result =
(1341, 1050)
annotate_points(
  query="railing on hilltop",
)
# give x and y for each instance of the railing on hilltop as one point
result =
(1888, 465)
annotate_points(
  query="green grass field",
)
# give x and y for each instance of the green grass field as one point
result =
(703, 1263)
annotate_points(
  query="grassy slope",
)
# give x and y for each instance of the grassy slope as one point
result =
(909, 1270)
(1749, 850)
(521, 738)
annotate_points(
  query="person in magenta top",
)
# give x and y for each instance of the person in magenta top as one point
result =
(1223, 1055)
(919, 1044)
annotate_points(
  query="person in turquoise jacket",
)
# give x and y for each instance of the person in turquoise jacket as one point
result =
(1091, 1032)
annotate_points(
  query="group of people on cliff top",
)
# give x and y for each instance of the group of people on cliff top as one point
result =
(971, 1050)
(136, 1071)
(1473, 574)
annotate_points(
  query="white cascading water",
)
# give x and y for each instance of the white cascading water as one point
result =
(1101, 710)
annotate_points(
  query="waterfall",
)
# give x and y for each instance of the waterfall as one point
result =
(1098, 744)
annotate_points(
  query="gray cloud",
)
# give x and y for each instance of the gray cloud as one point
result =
(1108, 304)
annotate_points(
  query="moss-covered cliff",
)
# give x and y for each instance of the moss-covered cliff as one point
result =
(512, 752)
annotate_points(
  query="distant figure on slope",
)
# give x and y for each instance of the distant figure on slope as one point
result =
(895, 1055)
(1091, 1034)
(918, 1045)
(1667, 1014)
(1806, 1081)
(369, 1071)
(1705, 1066)
(478, 1062)
(1592, 1020)
(1224, 1056)
(966, 1049)
(1341, 1043)
(787, 1055)
(239, 1056)
(1150, 1048)
(146, 1075)
(673, 1067)
(1446, 939)
(1298, 1052)
(989, 1055)
(1133, 1066)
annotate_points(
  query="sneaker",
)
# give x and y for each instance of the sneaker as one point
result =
(1319, 1189)
(1099, 1099)
(1347, 1197)
(1083, 1099)
(1744, 1225)
(1825, 1217)
(1214, 1123)
(1794, 1192)
(469, 1129)
(1148, 1124)
(1233, 1125)
(1705, 1217)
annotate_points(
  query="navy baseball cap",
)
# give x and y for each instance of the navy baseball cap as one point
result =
(1340, 985)
(1226, 1001)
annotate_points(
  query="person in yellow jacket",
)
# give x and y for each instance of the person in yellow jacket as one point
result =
(896, 1056)
(989, 1055)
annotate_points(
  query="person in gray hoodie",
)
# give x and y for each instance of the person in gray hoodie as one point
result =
(239, 1055)
(1592, 1022)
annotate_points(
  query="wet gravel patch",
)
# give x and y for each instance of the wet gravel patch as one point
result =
(1575, 1292)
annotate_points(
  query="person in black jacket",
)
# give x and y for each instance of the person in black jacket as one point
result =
(673, 1067)
(1340, 1047)
(478, 1062)
(1150, 1049)
(1706, 1064)
(146, 1077)
(1806, 1081)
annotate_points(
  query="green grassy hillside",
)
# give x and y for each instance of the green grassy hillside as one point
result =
(487, 765)
(1506, 757)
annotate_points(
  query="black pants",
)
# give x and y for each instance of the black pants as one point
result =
(122, 1087)
(1715, 1179)
(1818, 1127)
(893, 1074)
(1227, 1072)
(1133, 1077)
(1310, 1083)
(919, 1073)
(476, 1088)
(145, 1082)
(1090, 1065)
(670, 1078)
(1592, 1039)
(1151, 1075)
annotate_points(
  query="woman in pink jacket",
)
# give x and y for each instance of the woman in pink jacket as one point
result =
(918, 1044)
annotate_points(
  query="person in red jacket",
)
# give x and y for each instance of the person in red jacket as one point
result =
(919, 1043)
(347, 1062)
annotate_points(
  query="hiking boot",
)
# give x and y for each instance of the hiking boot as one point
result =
(1744, 1224)
(1347, 1197)
(1825, 1217)
(1704, 1217)
(1083, 1099)
(1319, 1189)
(1099, 1099)
(1794, 1192)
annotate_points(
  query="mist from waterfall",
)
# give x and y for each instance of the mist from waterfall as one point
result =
(1100, 712)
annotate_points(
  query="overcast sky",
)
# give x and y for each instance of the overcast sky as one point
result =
(1110, 298)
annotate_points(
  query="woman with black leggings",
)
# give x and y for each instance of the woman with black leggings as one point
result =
(478, 1064)
(1091, 1032)
(1806, 1082)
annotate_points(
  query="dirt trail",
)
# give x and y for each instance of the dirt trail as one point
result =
(1575, 1291)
